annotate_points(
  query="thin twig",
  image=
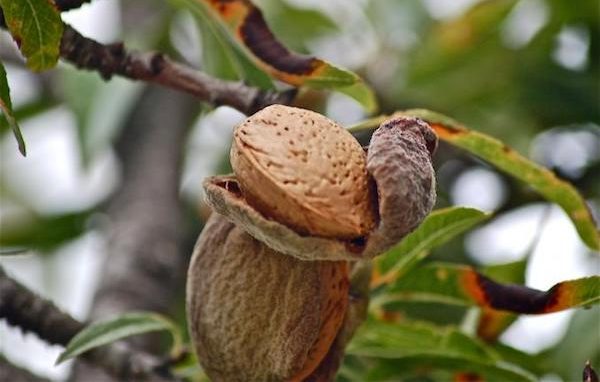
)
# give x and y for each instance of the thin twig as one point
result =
(115, 59)
(32, 313)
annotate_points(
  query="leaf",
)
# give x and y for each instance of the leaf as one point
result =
(580, 342)
(363, 94)
(105, 332)
(506, 159)
(221, 56)
(420, 346)
(7, 110)
(37, 28)
(462, 285)
(439, 227)
(24, 229)
(493, 322)
(247, 24)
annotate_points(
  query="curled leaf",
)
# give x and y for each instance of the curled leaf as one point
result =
(506, 159)
(462, 285)
(246, 22)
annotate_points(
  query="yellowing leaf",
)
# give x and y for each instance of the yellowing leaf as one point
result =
(462, 285)
(37, 28)
(506, 159)
(246, 22)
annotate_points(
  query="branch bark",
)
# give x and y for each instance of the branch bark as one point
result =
(32, 313)
(115, 59)
(146, 264)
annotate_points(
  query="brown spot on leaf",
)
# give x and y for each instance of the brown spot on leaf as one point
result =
(257, 36)
(510, 297)
(445, 131)
(467, 377)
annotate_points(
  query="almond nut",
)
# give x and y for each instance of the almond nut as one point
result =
(267, 294)
(399, 163)
(258, 315)
(305, 171)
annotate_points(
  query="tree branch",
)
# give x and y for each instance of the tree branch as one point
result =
(115, 59)
(32, 313)
(155, 67)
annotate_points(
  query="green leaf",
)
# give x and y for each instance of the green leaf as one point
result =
(581, 342)
(362, 93)
(105, 332)
(438, 228)
(25, 229)
(411, 346)
(462, 285)
(513, 272)
(247, 25)
(222, 57)
(506, 159)
(7, 110)
(37, 28)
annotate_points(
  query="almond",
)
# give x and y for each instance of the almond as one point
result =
(268, 289)
(305, 171)
(258, 315)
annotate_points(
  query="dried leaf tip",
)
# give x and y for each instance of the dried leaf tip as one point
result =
(589, 374)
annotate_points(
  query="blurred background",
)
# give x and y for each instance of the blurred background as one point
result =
(526, 72)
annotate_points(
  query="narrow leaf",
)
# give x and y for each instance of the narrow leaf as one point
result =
(462, 285)
(7, 110)
(37, 28)
(418, 346)
(222, 57)
(506, 159)
(438, 228)
(25, 229)
(362, 93)
(126, 325)
(493, 322)
(247, 24)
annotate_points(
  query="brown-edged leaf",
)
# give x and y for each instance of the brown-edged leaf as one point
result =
(246, 22)
(462, 285)
(37, 28)
(506, 159)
